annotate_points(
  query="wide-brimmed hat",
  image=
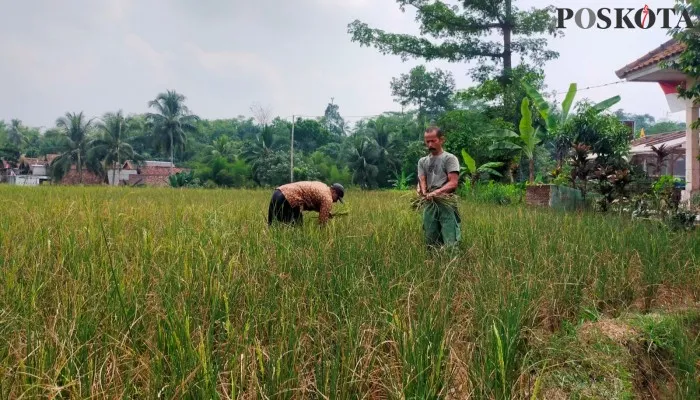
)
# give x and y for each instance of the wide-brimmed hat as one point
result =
(340, 189)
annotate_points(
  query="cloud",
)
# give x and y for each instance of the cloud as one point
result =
(157, 61)
(236, 63)
(345, 3)
(117, 9)
(39, 69)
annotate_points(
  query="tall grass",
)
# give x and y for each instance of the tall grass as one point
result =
(142, 293)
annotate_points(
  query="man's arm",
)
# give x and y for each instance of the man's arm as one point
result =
(324, 211)
(422, 190)
(422, 186)
(449, 187)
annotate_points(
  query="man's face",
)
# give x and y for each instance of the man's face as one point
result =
(433, 142)
(335, 195)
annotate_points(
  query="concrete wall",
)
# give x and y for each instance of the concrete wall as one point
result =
(26, 180)
(39, 170)
(557, 197)
(124, 176)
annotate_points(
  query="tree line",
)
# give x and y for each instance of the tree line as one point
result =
(377, 152)
(487, 125)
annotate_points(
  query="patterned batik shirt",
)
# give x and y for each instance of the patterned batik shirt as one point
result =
(311, 196)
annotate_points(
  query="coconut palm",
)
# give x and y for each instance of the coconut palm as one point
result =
(171, 122)
(15, 134)
(224, 147)
(363, 159)
(112, 146)
(75, 128)
(257, 153)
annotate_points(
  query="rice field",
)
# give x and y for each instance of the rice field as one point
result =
(163, 293)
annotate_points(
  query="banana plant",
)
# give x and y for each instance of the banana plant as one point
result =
(554, 124)
(474, 172)
(525, 142)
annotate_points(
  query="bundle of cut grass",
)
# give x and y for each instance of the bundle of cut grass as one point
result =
(421, 202)
(335, 214)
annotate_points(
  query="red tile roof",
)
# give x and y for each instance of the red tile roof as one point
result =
(149, 180)
(34, 161)
(153, 176)
(158, 171)
(666, 51)
(653, 140)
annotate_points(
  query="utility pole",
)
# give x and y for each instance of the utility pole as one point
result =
(291, 154)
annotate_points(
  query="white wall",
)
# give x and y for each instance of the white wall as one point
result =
(124, 176)
(38, 170)
(26, 180)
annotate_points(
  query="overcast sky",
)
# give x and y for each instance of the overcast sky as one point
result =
(105, 55)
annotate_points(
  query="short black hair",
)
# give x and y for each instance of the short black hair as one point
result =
(437, 131)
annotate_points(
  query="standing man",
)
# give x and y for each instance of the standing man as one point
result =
(438, 175)
(288, 201)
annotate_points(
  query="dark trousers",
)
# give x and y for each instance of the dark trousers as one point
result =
(282, 211)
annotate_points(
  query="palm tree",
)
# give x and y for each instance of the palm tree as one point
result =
(258, 153)
(223, 146)
(171, 122)
(112, 146)
(364, 156)
(76, 130)
(15, 134)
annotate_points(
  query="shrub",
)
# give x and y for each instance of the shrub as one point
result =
(182, 179)
(666, 189)
(494, 193)
(682, 220)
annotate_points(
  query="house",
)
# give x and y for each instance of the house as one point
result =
(35, 171)
(154, 173)
(116, 176)
(649, 68)
(671, 143)
(30, 172)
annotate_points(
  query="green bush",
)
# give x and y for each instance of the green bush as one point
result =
(225, 173)
(665, 188)
(494, 193)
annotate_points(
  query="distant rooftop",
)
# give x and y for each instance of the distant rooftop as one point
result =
(653, 140)
(163, 164)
